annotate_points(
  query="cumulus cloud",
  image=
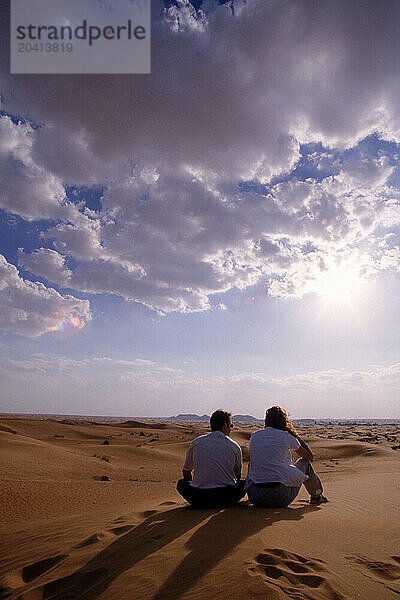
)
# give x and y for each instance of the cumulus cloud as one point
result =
(78, 238)
(214, 122)
(26, 188)
(46, 263)
(305, 72)
(201, 161)
(69, 156)
(170, 241)
(30, 308)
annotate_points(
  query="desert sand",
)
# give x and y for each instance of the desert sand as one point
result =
(89, 510)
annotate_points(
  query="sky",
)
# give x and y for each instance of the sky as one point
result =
(223, 232)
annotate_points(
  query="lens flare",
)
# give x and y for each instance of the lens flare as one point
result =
(74, 323)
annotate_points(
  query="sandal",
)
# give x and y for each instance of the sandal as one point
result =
(318, 499)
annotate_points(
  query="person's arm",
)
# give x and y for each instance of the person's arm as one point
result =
(187, 475)
(304, 451)
(237, 469)
(189, 465)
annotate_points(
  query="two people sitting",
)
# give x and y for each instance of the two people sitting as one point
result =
(272, 481)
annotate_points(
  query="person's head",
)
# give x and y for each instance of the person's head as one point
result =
(277, 417)
(221, 420)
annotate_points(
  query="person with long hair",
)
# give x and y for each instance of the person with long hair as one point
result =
(273, 480)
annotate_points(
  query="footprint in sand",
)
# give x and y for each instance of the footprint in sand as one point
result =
(99, 536)
(148, 513)
(18, 578)
(121, 530)
(385, 573)
(297, 576)
(92, 539)
(33, 571)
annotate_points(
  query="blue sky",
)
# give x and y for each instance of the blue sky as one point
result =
(222, 232)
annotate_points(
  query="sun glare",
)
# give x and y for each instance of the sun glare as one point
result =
(338, 286)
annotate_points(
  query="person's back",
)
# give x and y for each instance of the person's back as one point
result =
(214, 458)
(217, 464)
(273, 480)
(271, 459)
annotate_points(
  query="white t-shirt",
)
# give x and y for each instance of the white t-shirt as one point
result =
(214, 458)
(271, 460)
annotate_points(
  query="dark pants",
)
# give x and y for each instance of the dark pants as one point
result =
(219, 497)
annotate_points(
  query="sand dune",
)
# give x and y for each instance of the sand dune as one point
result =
(67, 535)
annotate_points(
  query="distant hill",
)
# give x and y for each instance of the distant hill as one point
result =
(193, 418)
(190, 417)
(246, 419)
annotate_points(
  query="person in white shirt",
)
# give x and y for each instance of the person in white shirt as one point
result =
(273, 480)
(216, 462)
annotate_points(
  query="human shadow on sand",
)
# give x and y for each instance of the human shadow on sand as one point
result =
(218, 537)
(232, 525)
